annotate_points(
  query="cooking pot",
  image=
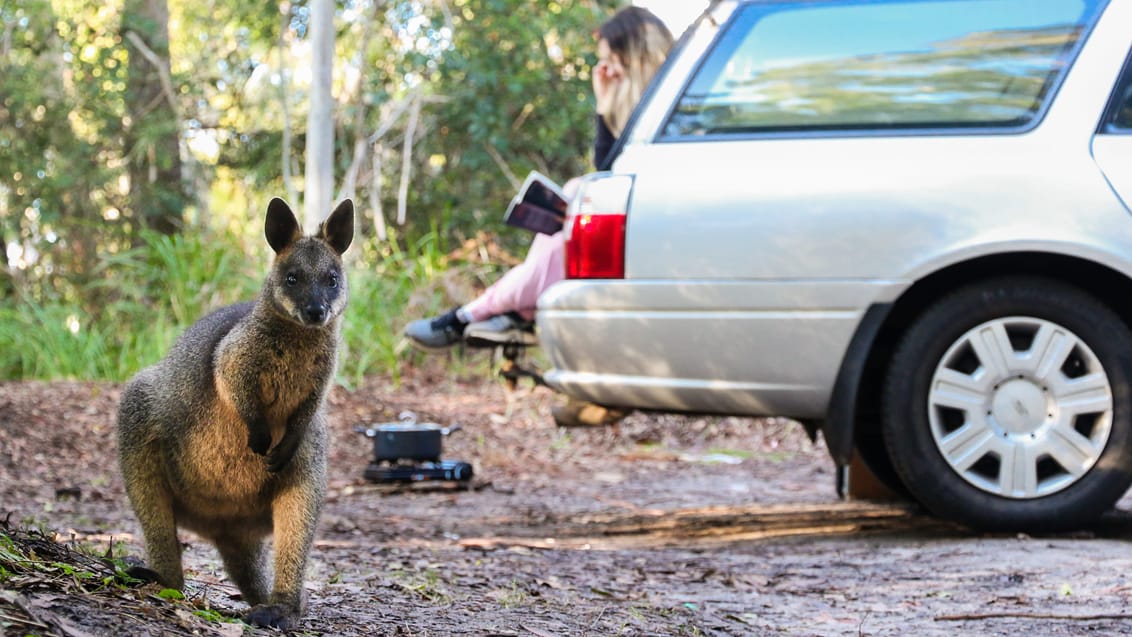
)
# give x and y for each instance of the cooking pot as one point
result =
(407, 440)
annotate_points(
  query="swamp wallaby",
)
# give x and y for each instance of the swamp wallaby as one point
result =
(226, 435)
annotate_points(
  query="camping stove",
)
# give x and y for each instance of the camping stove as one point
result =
(408, 451)
(444, 470)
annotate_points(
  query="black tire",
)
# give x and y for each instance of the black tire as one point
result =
(934, 445)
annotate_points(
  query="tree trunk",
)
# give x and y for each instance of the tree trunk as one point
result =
(320, 121)
(285, 100)
(157, 195)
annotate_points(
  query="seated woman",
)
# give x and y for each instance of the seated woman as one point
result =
(631, 47)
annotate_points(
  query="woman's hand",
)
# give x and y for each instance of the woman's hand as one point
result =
(607, 74)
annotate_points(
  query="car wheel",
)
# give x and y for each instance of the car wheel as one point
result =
(1006, 406)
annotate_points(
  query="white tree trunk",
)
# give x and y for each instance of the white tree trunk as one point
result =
(407, 161)
(285, 100)
(375, 193)
(320, 122)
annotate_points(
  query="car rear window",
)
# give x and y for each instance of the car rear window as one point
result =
(882, 65)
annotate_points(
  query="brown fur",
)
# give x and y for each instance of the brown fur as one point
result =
(226, 435)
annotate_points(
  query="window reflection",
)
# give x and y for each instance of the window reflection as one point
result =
(883, 65)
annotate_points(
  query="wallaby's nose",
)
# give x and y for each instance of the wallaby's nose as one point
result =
(315, 313)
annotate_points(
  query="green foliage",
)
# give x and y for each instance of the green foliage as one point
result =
(140, 302)
(89, 293)
(379, 294)
(76, 567)
(148, 295)
(214, 616)
(517, 91)
(46, 340)
(59, 143)
(426, 583)
(184, 275)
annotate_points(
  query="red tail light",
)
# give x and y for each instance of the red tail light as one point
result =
(595, 241)
(596, 247)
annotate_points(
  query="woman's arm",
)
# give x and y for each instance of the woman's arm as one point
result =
(603, 142)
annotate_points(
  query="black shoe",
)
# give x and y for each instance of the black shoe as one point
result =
(436, 333)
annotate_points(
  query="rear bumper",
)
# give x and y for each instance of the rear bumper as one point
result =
(713, 347)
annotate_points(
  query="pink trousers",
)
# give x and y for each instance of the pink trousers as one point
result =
(519, 288)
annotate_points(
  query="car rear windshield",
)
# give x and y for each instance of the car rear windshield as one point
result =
(882, 65)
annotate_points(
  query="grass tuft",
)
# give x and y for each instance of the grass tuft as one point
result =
(142, 299)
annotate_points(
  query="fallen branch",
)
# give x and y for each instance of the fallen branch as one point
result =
(710, 526)
(1021, 615)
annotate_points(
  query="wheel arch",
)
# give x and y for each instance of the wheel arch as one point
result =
(853, 418)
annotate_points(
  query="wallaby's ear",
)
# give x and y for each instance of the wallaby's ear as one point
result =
(281, 227)
(338, 229)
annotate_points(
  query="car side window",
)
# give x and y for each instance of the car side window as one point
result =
(882, 65)
(1120, 110)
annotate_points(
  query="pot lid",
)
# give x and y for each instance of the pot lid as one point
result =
(407, 426)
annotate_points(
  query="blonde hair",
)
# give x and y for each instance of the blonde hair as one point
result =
(642, 42)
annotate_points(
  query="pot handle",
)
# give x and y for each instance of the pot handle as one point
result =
(447, 430)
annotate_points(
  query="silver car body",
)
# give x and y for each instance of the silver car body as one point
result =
(750, 263)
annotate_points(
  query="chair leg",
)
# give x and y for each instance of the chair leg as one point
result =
(512, 370)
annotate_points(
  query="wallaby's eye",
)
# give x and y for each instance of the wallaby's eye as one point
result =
(292, 279)
(332, 281)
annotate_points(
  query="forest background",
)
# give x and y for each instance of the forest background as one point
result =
(140, 141)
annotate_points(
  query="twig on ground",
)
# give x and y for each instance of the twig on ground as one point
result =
(20, 620)
(1021, 615)
(599, 615)
(861, 625)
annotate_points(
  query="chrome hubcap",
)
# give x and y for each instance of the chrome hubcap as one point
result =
(1020, 407)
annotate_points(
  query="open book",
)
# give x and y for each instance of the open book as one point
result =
(539, 206)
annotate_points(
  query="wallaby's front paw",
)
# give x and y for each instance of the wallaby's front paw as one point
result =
(273, 616)
(259, 440)
(282, 454)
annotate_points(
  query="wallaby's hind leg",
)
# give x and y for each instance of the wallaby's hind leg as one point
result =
(147, 486)
(153, 503)
(245, 560)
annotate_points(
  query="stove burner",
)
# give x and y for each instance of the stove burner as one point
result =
(448, 470)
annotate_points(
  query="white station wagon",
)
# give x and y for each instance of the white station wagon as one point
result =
(903, 223)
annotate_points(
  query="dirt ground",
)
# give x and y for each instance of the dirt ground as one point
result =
(662, 525)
